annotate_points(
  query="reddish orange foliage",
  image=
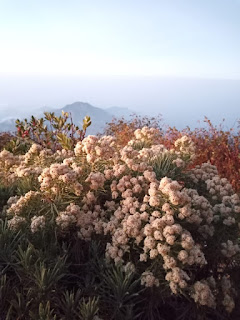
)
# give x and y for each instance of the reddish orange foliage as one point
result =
(124, 129)
(221, 148)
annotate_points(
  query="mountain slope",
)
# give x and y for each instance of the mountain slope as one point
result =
(78, 110)
(7, 125)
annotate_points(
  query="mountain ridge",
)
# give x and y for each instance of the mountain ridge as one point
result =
(78, 110)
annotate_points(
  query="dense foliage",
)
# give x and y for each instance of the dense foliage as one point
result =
(214, 144)
(52, 132)
(113, 230)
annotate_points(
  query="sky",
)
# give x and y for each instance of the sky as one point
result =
(196, 38)
(155, 55)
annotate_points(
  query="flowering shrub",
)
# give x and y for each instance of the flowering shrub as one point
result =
(220, 147)
(170, 224)
(123, 130)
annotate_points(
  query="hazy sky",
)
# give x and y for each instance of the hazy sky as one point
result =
(196, 38)
(180, 58)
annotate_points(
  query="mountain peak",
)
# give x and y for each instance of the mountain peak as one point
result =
(78, 105)
(79, 110)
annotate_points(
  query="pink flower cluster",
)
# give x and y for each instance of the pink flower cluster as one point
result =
(37, 223)
(229, 249)
(96, 149)
(203, 172)
(148, 279)
(185, 145)
(58, 177)
(8, 162)
(32, 153)
(67, 218)
(204, 292)
(96, 180)
(16, 223)
(17, 207)
(147, 134)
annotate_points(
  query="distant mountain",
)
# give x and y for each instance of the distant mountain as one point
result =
(38, 113)
(78, 110)
(7, 125)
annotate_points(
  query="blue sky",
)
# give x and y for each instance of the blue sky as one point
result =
(185, 38)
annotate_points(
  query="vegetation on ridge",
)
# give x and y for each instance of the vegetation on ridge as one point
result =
(109, 228)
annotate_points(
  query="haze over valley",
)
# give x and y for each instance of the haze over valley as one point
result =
(181, 101)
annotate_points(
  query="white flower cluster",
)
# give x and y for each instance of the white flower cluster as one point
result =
(95, 148)
(150, 153)
(8, 162)
(62, 154)
(68, 217)
(17, 207)
(16, 223)
(7, 159)
(59, 176)
(203, 292)
(147, 134)
(226, 202)
(96, 180)
(130, 156)
(229, 249)
(203, 172)
(148, 279)
(32, 153)
(179, 163)
(15, 167)
(37, 223)
(177, 279)
(185, 145)
(219, 187)
(27, 171)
